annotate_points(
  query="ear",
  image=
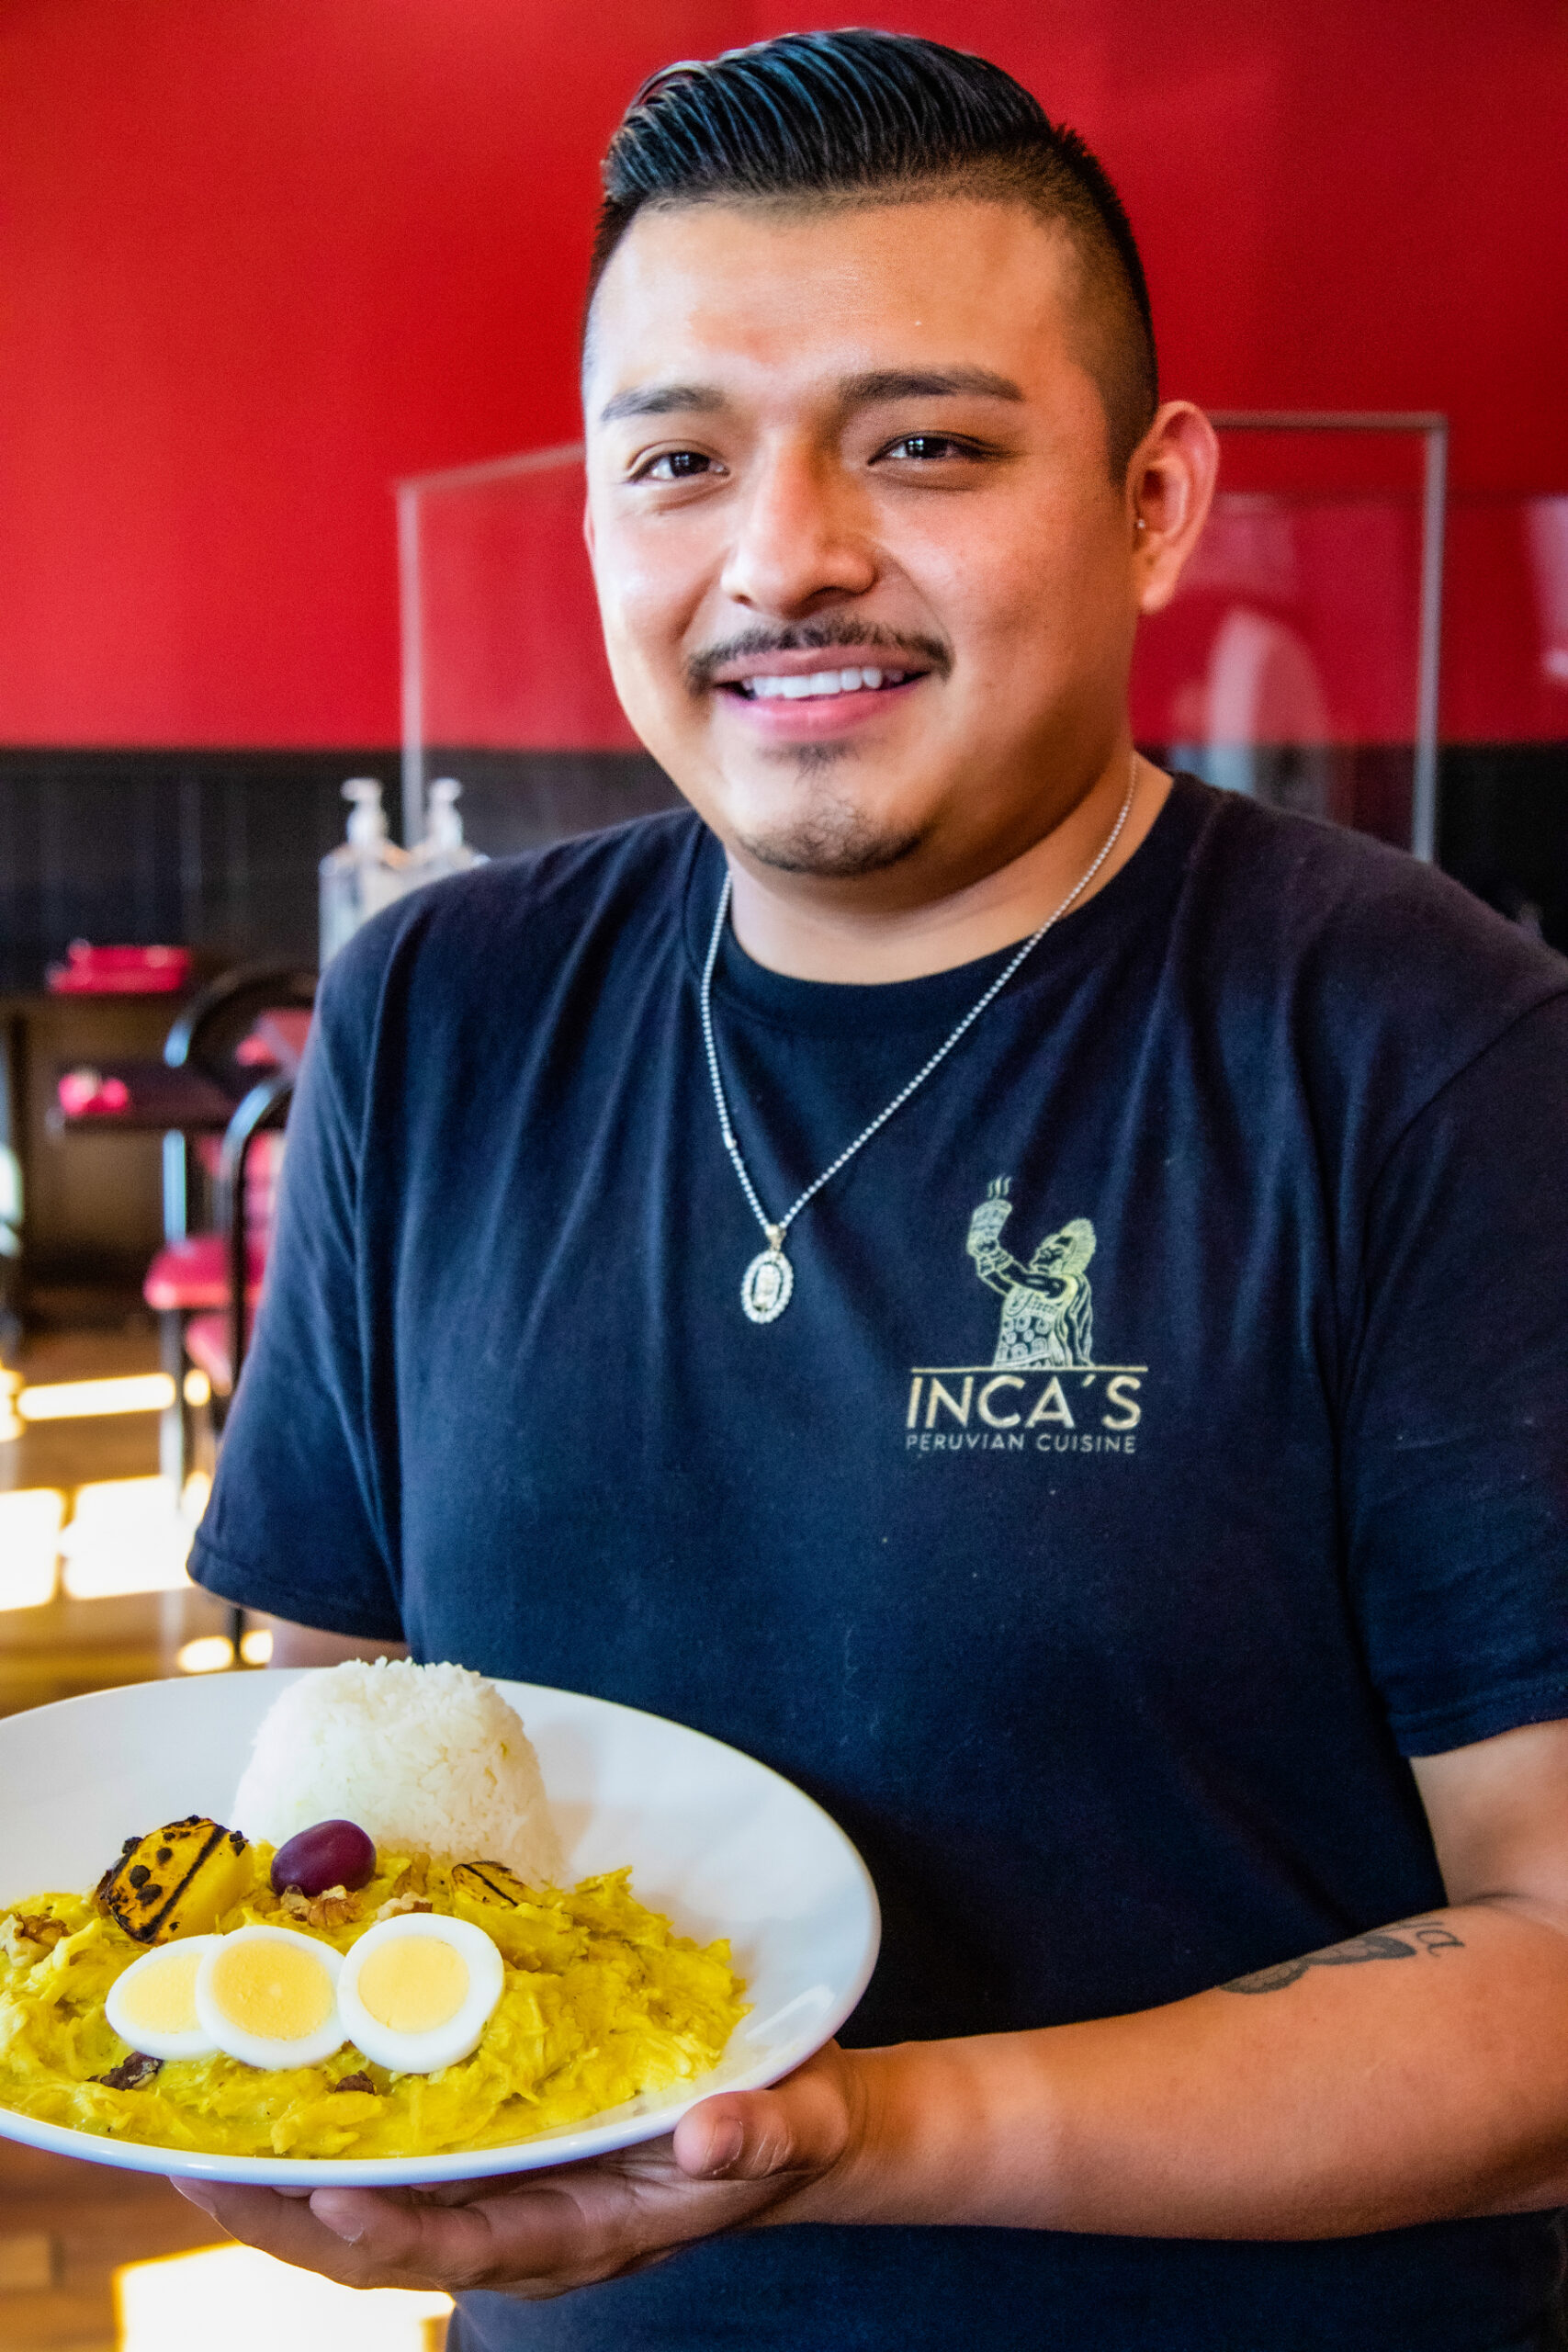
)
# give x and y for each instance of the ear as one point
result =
(1171, 487)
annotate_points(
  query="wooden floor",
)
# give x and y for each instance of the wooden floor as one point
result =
(68, 1646)
(65, 2227)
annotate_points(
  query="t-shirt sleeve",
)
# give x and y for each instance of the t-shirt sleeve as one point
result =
(295, 1524)
(1455, 1464)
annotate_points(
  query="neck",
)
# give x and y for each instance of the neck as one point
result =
(828, 936)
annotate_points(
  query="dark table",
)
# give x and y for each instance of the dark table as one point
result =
(93, 1202)
(159, 1100)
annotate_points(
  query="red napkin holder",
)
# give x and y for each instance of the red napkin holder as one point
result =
(84, 1094)
(120, 971)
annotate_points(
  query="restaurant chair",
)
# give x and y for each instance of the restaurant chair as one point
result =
(204, 1286)
(221, 1300)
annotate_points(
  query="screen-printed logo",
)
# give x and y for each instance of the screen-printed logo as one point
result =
(1046, 1327)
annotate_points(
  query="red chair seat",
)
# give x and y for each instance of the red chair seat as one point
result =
(193, 1274)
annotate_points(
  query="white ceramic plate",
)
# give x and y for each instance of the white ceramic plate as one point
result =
(715, 1839)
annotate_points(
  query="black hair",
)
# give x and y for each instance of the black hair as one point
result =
(840, 114)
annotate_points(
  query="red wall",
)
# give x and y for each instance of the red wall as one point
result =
(259, 258)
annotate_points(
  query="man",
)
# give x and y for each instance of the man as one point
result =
(1197, 1698)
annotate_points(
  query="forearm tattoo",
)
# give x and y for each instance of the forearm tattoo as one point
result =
(1412, 1938)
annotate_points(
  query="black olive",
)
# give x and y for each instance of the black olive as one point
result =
(131, 2073)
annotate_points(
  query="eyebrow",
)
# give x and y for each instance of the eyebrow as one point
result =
(925, 384)
(662, 400)
(854, 391)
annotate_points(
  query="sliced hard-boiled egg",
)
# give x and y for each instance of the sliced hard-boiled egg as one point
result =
(152, 2006)
(417, 1992)
(268, 1997)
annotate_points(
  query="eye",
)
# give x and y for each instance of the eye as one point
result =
(931, 448)
(675, 465)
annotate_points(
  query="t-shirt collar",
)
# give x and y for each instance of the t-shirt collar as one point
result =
(1128, 900)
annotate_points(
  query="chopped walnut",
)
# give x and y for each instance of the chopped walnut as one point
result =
(28, 1936)
(332, 1909)
(399, 1905)
(335, 1907)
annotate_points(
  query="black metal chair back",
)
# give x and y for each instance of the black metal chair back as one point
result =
(220, 1016)
(266, 1106)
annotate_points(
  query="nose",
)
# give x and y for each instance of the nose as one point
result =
(801, 540)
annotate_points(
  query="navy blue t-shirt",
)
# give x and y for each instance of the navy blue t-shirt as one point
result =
(1166, 1439)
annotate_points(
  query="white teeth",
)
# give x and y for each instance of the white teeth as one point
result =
(820, 681)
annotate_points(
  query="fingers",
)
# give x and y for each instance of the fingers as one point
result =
(389, 2240)
(733, 2161)
(361, 2238)
(202, 2192)
(531, 2233)
(538, 2237)
(533, 2239)
(802, 2125)
(284, 2226)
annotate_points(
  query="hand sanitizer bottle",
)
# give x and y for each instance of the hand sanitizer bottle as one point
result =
(442, 851)
(365, 874)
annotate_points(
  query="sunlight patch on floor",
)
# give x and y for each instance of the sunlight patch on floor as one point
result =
(110, 1537)
(30, 1520)
(72, 1401)
(231, 2296)
(125, 1535)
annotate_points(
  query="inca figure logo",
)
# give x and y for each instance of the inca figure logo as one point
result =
(1047, 1306)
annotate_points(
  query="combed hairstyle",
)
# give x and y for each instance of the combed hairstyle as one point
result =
(884, 116)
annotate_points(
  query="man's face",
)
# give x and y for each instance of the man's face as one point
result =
(1052, 1256)
(867, 586)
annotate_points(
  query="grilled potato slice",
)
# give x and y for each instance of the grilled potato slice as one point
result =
(491, 1882)
(529, 1923)
(175, 1881)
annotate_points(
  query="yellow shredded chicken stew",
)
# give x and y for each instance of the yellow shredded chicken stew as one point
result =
(600, 2001)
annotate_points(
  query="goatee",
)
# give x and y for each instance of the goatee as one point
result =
(832, 838)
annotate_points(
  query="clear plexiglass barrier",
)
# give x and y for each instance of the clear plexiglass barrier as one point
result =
(505, 683)
(1298, 662)
(1300, 659)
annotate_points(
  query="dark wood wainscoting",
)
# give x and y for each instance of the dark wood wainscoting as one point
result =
(217, 850)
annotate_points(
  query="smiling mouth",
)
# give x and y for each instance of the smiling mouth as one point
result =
(820, 684)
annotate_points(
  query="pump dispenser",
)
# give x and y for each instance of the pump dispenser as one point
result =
(365, 874)
(442, 851)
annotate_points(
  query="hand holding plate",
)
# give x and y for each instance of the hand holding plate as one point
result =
(733, 2162)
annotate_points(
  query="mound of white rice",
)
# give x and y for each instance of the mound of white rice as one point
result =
(428, 1759)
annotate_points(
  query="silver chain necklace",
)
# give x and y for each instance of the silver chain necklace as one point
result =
(770, 1278)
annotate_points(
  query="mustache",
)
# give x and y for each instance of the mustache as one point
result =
(829, 635)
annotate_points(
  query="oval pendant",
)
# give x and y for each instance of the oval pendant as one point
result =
(770, 1278)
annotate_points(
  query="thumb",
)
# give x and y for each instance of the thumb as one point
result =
(800, 2126)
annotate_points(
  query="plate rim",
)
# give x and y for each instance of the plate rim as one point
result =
(567, 2144)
